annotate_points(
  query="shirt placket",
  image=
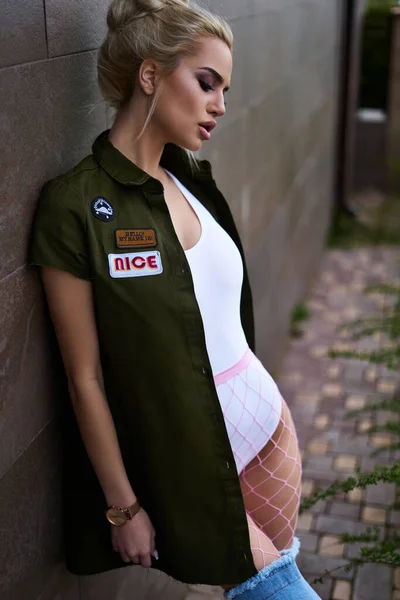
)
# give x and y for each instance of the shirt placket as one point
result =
(193, 326)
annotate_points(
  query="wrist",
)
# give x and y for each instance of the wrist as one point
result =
(120, 497)
(119, 515)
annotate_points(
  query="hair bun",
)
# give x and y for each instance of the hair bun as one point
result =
(150, 6)
(122, 12)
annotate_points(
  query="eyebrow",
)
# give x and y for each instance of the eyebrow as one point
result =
(217, 76)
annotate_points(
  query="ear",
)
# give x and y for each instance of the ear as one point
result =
(149, 74)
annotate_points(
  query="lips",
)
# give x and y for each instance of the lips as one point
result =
(206, 129)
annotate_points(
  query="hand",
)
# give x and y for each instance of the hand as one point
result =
(135, 541)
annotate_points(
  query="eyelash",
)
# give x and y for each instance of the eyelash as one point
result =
(207, 87)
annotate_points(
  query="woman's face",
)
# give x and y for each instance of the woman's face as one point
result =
(192, 96)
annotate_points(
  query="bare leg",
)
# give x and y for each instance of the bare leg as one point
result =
(263, 550)
(271, 484)
(271, 491)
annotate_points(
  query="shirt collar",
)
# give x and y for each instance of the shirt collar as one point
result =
(120, 168)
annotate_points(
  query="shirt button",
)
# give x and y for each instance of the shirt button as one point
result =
(228, 466)
(204, 371)
(183, 270)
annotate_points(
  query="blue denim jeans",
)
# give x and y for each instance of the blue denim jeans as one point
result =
(281, 580)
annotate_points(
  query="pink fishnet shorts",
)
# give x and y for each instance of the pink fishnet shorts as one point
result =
(252, 406)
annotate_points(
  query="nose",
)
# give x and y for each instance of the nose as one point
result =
(217, 106)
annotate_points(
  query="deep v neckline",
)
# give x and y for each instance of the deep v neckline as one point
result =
(187, 195)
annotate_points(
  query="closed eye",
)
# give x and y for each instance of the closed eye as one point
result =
(205, 86)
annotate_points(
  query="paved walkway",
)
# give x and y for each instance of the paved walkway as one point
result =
(320, 390)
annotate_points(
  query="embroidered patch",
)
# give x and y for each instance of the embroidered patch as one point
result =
(102, 209)
(135, 264)
(135, 238)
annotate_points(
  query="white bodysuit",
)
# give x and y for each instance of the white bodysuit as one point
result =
(249, 397)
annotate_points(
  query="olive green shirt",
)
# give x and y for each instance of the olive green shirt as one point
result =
(106, 221)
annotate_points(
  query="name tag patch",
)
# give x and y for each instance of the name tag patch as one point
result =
(135, 238)
(135, 264)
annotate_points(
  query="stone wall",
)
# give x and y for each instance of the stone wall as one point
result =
(272, 157)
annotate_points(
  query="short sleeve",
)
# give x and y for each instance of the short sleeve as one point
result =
(59, 237)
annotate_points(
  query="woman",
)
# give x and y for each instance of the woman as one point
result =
(148, 291)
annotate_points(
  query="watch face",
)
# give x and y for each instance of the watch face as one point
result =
(116, 516)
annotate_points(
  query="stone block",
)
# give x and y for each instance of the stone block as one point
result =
(342, 590)
(31, 539)
(25, 366)
(353, 446)
(334, 371)
(381, 493)
(344, 509)
(45, 583)
(332, 390)
(22, 33)
(372, 582)
(318, 447)
(321, 421)
(51, 113)
(304, 522)
(324, 589)
(307, 398)
(307, 487)
(315, 564)
(372, 514)
(320, 463)
(387, 386)
(334, 525)
(345, 463)
(381, 440)
(355, 495)
(330, 546)
(75, 26)
(355, 402)
(309, 542)
(318, 508)
(364, 425)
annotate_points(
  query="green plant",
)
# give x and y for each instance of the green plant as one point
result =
(379, 224)
(300, 313)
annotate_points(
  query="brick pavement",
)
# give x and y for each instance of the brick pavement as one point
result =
(320, 390)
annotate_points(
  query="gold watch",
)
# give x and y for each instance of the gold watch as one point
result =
(118, 515)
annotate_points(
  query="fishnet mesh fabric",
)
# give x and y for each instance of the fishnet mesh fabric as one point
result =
(267, 456)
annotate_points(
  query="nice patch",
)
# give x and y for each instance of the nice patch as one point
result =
(135, 264)
(135, 238)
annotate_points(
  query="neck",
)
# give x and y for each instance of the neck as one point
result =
(145, 152)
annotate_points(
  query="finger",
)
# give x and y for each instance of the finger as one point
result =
(145, 560)
(136, 560)
(125, 557)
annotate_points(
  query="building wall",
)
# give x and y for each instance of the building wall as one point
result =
(272, 157)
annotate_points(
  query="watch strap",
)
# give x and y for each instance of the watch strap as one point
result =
(133, 510)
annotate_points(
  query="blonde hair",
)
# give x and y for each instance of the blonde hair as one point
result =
(164, 30)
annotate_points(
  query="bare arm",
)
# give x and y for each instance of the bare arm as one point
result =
(71, 307)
